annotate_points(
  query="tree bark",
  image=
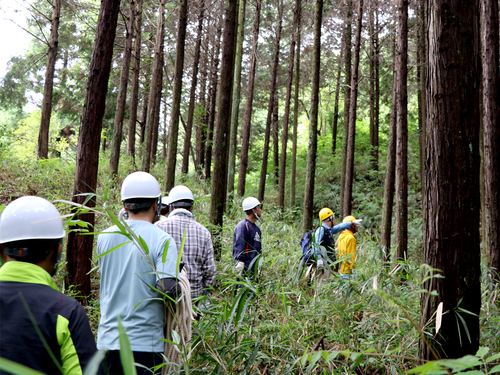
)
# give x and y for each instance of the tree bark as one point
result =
(284, 136)
(202, 121)
(390, 171)
(176, 95)
(347, 100)
(491, 100)
(43, 135)
(79, 248)
(313, 125)
(134, 97)
(213, 101)
(194, 82)
(337, 96)
(352, 115)
(451, 234)
(235, 108)
(373, 110)
(122, 94)
(265, 153)
(154, 89)
(245, 138)
(276, 148)
(221, 139)
(293, 182)
(156, 123)
(401, 223)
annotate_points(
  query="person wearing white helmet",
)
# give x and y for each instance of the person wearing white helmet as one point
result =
(198, 250)
(247, 238)
(127, 278)
(165, 208)
(347, 247)
(40, 327)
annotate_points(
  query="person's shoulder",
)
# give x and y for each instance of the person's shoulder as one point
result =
(70, 308)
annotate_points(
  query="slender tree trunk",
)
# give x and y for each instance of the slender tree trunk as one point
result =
(276, 147)
(154, 89)
(263, 170)
(377, 92)
(337, 96)
(313, 125)
(372, 84)
(390, 172)
(157, 110)
(235, 108)
(451, 234)
(347, 100)
(401, 223)
(284, 136)
(176, 96)
(134, 101)
(213, 102)
(79, 248)
(245, 138)
(201, 128)
(423, 94)
(122, 93)
(293, 182)
(491, 100)
(352, 115)
(144, 117)
(43, 135)
(221, 139)
(194, 82)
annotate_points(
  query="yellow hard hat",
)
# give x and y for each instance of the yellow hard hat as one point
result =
(348, 219)
(326, 214)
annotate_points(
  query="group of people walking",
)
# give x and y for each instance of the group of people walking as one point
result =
(136, 275)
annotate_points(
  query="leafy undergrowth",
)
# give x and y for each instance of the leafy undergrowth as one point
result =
(280, 325)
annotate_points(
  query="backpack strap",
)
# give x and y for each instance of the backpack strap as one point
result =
(246, 247)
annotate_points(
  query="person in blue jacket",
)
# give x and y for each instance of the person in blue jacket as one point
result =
(247, 239)
(323, 236)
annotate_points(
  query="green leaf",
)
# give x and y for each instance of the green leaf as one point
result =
(143, 244)
(482, 351)
(176, 338)
(430, 368)
(165, 252)
(92, 367)
(113, 249)
(315, 358)
(494, 370)
(493, 357)
(126, 355)
(16, 368)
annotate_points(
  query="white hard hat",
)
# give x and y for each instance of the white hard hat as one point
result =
(165, 200)
(29, 218)
(140, 185)
(180, 193)
(249, 203)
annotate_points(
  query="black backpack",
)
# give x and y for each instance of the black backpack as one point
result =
(307, 246)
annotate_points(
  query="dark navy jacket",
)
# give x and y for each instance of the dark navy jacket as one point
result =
(30, 307)
(247, 242)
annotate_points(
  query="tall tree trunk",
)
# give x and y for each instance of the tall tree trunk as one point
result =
(245, 138)
(377, 92)
(423, 94)
(347, 100)
(284, 136)
(293, 176)
(337, 96)
(79, 248)
(390, 171)
(313, 125)
(194, 82)
(213, 100)
(144, 117)
(201, 128)
(401, 223)
(491, 100)
(156, 123)
(372, 83)
(154, 89)
(43, 135)
(263, 170)
(451, 235)
(134, 97)
(352, 115)
(221, 139)
(276, 147)
(235, 108)
(176, 96)
(122, 93)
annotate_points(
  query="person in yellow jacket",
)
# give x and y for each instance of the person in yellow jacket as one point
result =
(347, 247)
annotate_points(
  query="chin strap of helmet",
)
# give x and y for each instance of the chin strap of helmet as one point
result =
(255, 213)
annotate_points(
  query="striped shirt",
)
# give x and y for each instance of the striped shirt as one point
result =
(198, 251)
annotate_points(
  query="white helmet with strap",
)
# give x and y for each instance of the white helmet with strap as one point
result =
(181, 196)
(139, 185)
(250, 203)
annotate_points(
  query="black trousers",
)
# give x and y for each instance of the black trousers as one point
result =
(113, 365)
